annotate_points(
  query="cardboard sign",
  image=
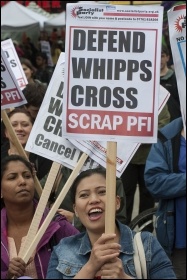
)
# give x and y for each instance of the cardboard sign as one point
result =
(112, 72)
(177, 34)
(13, 59)
(11, 95)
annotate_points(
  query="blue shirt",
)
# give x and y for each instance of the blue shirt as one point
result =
(72, 253)
(180, 203)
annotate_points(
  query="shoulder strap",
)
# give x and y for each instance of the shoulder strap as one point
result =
(139, 257)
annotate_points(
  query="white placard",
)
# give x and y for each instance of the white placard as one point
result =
(177, 34)
(113, 71)
(13, 59)
(46, 138)
(11, 95)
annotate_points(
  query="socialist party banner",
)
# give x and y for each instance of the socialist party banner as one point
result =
(112, 72)
(177, 34)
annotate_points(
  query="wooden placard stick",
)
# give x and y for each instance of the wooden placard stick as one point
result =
(110, 210)
(18, 146)
(54, 208)
(40, 208)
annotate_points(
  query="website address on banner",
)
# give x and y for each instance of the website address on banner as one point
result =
(121, 123)
(103, 150)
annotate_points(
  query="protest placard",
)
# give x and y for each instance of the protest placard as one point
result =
(177, 34)
(46, 137)
(13, 59)
(11, 95)
(112, 77)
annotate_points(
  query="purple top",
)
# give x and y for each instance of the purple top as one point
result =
(56, 230)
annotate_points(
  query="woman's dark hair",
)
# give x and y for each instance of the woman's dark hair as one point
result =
(34, 94)
(82, 175)
(42, 55)
(165, 49)
(28, 63)
(5, 161)
(15, 111)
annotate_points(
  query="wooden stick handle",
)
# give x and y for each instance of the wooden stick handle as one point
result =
(40, 208)
(110, 210)
(54, 208)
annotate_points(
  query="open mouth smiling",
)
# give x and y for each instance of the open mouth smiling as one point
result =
(95, 213)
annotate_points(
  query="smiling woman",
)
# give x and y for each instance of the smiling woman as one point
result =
(18, 209)
(94, 254)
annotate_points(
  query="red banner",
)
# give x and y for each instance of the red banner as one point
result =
(49, 6)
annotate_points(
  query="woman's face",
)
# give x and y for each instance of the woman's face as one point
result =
(28, 72)
(17, 184)
(90, 202)
(22, 126)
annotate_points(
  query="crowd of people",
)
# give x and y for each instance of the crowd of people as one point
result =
(74, 244)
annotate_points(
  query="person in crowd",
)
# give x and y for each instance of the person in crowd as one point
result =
(19, 205)
(22, 123)
(133, 175)
(54, 35)
(29, 49)
(165, 178)
(55, 52)
(168, 81)
(29, 70)
(34, 94)
(94, 254)
(61, 44)
(43, 72)
(66, 207)
(19, 50)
